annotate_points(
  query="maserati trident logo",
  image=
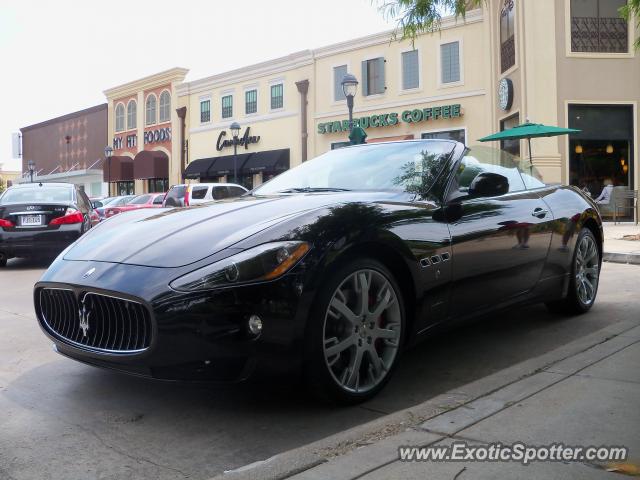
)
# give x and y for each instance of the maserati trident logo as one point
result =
(89, 272)
(84, 313)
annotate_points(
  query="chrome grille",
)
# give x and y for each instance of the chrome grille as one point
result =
(96, 321)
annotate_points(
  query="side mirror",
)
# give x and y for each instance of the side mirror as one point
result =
(488, 184)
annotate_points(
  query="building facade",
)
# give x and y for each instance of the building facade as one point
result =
(269, 101)
(569, 63)
(7, 177)
(142, 123)
(69, 148)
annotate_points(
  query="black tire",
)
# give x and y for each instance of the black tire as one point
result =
(320, 376)
(574, 302)
(3, 260)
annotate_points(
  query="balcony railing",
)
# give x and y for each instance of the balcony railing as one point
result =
(599, 35)
(508, 53)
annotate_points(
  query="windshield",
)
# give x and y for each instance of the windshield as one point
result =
(140, 200)
(401, 166)
(37, 194)
(109, 201)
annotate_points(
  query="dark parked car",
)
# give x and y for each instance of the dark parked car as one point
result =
(41, 219)
(335, 266)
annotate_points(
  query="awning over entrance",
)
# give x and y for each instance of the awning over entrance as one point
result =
(118, 169)
(150, 164)
(269, 161)
(224, 165)
(198, 168)
(272, 161)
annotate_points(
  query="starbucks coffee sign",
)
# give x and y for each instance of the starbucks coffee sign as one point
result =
(390, 119)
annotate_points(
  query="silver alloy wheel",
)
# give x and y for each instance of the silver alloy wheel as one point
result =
(587, 270)
(362, 330)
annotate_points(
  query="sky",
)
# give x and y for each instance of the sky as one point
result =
(58, 56)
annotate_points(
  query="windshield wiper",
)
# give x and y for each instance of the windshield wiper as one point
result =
(313, 189)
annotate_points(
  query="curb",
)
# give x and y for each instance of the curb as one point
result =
(353, 451)
(626, 258)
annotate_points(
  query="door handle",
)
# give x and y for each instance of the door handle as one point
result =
(539, 212)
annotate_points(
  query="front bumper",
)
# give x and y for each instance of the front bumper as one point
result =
(197, 337)
(16, 242)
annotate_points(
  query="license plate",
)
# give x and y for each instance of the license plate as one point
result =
(31, 220)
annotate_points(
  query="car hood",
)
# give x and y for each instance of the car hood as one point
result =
(174, 237)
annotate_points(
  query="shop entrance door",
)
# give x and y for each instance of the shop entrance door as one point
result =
(601, 156)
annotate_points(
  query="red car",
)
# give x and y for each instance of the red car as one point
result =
(146, 200)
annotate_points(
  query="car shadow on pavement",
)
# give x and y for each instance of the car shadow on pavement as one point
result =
(204, 429)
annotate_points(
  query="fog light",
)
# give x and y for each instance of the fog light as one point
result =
(255, 324)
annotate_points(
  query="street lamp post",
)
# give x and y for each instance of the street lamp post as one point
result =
(349, 88)
(235, 131)
(32, 166)
(108, 153)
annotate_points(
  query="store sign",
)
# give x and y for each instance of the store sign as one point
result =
(390, 119)
(131, 142)
(157, 136)
(505, 94)
(245, 140)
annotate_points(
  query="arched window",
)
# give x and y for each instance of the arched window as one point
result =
(165, 106)
(150, 114)
(119, 117)
(507, 35)
(132, 114)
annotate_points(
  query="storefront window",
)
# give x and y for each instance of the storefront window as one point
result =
(410, 70)
(150, 113)
(373, 76)
(165, 106)
(335, 145)
(132, 113)
(450, 62)
(246, 181)
(507, 35)
(511, 146)
(157, 185)
(227, 106)
(596, 26)
(250, 101)
(119, 117)
(457, 135)
(338, 74)
(602, 153)
(277, 96)
(125, 188)
(205, 111)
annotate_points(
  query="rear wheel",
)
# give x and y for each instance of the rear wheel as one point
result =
(3, 260)
(356, 334)
(585, 276)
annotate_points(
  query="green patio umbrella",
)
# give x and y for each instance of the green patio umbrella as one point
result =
(528, 130)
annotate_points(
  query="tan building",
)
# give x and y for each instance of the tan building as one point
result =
(267, 101)
(7, 177)
(144, 129)
(559, 62)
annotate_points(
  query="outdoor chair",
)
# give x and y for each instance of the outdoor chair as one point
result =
(625, 200)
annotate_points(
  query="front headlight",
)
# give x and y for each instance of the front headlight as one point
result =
(261, 263)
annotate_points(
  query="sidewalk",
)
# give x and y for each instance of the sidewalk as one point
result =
(616, 248)
(584, 393)
(588, 399)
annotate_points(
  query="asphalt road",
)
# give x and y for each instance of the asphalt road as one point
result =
(61, 419)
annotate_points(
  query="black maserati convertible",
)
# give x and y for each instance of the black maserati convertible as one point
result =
(334, 266)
